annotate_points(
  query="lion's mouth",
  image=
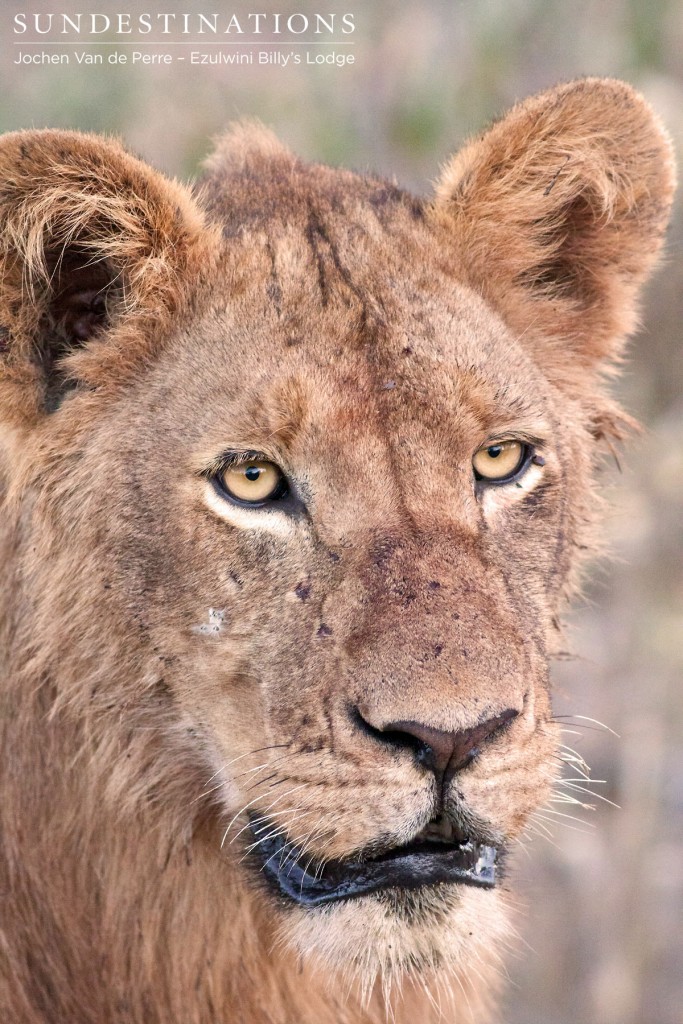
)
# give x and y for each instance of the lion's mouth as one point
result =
(428, 859)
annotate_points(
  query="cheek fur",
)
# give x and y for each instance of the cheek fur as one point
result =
(495, 499)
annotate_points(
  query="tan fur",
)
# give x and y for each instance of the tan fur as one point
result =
(168, 661)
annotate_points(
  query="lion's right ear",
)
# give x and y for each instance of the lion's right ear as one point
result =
(97, 252)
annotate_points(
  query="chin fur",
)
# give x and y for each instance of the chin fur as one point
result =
(394, 938)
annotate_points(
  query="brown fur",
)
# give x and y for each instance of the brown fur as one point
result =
(166, 661)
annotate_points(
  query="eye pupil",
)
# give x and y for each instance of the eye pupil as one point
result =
(252, 473)
(494, 451)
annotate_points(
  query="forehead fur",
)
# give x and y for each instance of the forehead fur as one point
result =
(252, 180)
(551, 220)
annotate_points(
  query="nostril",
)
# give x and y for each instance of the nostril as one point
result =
(438, 750)
(389, 736)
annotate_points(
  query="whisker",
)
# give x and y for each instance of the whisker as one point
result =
(312, 837)
(280, 830)
(240, 757)
(522, 846)
(262, 782)
(258, 750)
(586, 825)
(250, 804)
(586, 718)
(280, 827)
(597, 796)
(272, 834)
(264, 818)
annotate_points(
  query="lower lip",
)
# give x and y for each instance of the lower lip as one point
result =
(311, 886)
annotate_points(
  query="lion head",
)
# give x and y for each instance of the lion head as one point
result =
(297, 473)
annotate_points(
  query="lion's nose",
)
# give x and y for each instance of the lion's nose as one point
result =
(442, 752)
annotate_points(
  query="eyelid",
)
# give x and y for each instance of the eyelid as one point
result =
(238, 457)
(524, 437)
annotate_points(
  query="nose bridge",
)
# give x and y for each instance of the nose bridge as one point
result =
(440, 644)
(428, 585)
(406, 567)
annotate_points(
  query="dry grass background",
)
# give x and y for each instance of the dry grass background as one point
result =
(604, 902)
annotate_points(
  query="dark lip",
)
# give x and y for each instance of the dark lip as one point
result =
(299, 878)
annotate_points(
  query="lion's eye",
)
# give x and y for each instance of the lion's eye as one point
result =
(500, 462)
(254, 481)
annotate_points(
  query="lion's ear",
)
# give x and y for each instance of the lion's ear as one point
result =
(558, 212)
(95, 247)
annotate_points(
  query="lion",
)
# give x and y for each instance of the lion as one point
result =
(297, 475)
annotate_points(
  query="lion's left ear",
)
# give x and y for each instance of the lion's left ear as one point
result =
(557, 214)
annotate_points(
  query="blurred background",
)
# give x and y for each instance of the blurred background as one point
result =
(601, 917)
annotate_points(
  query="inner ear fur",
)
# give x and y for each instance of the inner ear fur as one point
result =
(94, 245)
(557, 213)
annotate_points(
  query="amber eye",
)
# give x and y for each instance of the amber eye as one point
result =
(500, 462)
(253, 482)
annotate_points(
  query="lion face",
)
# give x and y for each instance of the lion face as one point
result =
(317, 458)
(364, 654)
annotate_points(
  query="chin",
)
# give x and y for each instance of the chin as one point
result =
(393, 935)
